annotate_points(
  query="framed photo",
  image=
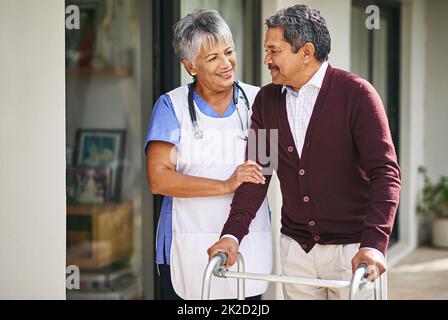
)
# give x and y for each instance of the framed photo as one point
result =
(102, 148)
(88, 184)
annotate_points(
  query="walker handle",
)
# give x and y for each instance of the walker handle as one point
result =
(223, 257)
(358, 281)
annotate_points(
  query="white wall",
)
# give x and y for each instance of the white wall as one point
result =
(434, 108)
(436, 102)
(32, 140)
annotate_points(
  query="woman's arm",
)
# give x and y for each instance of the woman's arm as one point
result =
(163, 178)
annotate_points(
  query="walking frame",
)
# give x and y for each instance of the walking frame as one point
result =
(357, 284)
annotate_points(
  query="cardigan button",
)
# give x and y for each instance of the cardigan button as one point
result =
(304, 246)
(290, 149)
(316, 238)
(312, 223)
(306, 199)
(302, 172)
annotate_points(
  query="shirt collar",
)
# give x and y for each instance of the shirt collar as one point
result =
(316, 80)
(207, 110)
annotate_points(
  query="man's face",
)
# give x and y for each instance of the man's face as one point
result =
(285, 66)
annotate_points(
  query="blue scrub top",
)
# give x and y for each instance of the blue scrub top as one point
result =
(164, 126)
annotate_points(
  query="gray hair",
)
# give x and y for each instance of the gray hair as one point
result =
(302, 24)
(197, 29)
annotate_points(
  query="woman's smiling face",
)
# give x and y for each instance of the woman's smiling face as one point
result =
(215, 66)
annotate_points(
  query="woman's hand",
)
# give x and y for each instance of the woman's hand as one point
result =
(165, 180)
(246, 172)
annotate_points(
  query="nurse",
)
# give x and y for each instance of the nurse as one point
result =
(195, 149)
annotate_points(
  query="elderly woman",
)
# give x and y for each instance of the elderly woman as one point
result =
(195, 149)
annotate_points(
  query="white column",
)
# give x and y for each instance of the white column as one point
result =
(32, 144)
(413, 70)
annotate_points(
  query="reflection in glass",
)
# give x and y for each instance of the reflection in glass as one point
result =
(103, 150)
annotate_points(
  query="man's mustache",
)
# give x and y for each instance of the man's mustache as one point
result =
(271, 66)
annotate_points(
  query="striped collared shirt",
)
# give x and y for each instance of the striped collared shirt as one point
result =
(299, 105)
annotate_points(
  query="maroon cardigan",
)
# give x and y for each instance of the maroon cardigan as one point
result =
(345, 187)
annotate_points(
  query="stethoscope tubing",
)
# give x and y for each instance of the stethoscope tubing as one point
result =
(194, 120)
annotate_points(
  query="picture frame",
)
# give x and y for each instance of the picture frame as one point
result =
(88, 185)
(102, 148)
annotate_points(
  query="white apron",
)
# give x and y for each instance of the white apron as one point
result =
(197, 222)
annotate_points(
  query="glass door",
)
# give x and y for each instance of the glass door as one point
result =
(103, 150)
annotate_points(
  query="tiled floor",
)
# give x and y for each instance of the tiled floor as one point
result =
(421, 275)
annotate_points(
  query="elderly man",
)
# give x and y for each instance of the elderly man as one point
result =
(337, 164)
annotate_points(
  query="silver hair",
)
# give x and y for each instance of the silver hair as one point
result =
(200, 28)
(302, 24)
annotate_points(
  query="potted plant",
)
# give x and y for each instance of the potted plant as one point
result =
(433, 203)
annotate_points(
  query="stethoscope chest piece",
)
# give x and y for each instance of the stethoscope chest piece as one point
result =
(197, 131)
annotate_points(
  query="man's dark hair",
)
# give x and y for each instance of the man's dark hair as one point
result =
(302, 24)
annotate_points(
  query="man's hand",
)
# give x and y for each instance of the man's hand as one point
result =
(226, 245)
(375, 262)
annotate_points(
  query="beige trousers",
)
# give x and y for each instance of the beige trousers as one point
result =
(328, 262)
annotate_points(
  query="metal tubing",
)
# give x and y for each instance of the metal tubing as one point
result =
(359, 280)
(382, 283)
(283, 279)
(240, 284)
(212, 268)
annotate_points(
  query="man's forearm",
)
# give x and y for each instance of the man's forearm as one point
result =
(245, 204)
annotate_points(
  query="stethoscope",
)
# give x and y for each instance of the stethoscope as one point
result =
(197, 131)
